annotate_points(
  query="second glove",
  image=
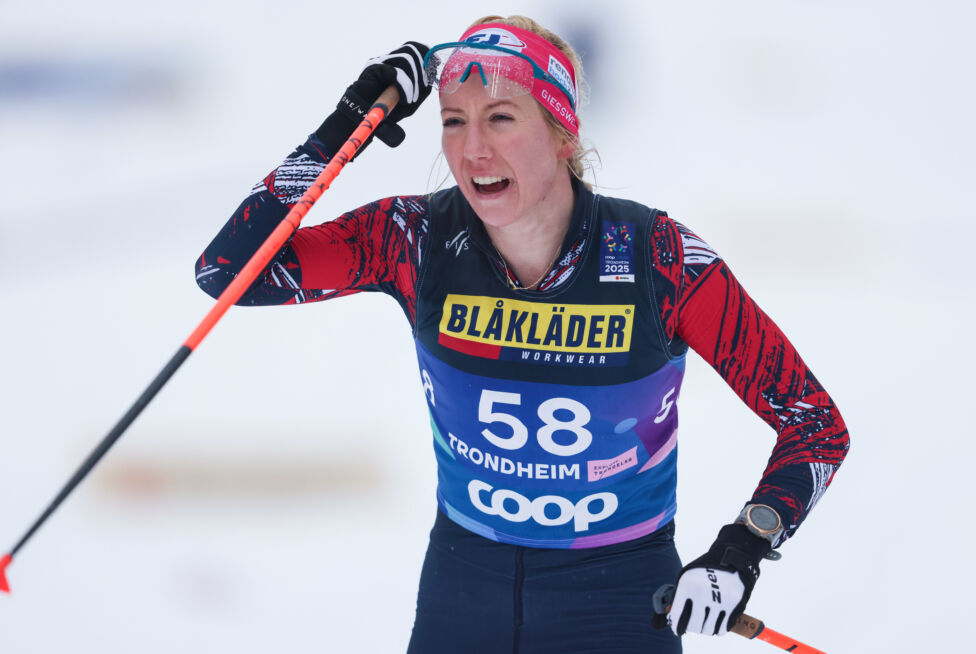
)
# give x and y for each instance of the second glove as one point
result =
(713, 589)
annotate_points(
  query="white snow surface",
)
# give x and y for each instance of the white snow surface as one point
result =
(825, 150)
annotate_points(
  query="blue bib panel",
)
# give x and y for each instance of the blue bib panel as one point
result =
(554, 413)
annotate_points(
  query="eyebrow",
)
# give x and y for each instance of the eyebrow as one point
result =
(491, 105)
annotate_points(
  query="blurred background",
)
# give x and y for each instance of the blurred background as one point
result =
(277, 495)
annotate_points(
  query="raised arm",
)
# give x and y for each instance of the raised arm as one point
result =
(375, 247)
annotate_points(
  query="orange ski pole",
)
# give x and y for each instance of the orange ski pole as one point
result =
(750, 627)
(257, 263)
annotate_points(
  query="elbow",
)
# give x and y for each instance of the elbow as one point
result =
(209, 278)
(845, 444)
(836, 441)
(843, 435)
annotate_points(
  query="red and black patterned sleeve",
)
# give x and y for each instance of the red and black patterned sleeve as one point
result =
(703, 304)
(376, 247)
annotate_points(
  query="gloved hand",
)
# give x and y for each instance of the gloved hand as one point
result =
(404, 68)
(713, 589)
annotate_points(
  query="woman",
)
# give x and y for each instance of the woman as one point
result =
(551, 327)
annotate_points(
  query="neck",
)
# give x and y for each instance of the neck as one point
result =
(531, 246)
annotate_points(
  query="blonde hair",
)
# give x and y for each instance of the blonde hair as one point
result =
(577, 162)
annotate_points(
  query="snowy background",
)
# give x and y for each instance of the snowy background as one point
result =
(277, 495)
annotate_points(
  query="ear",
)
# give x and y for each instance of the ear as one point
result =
(566, 150)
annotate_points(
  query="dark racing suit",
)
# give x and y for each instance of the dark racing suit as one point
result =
(553, 411)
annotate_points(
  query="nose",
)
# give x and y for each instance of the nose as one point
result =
(475, 142)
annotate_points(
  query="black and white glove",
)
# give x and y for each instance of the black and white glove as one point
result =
(713, 589)
(404, 68)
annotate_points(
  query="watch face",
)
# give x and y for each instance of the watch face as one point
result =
(764, 518)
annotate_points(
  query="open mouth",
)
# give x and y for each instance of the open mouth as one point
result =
(490, 185)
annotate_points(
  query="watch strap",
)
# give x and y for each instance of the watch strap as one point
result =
(771, 534)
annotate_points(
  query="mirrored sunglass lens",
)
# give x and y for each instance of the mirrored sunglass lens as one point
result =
(500, 85)
(504, 76)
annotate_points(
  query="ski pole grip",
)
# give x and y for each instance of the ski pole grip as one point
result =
(388, 99)
(748, 626)
(745, 625)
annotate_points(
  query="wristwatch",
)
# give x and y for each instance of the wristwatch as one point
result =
(761, 520)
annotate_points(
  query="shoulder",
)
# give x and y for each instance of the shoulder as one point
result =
(404, 210)
(623, 209)
(673, 242)
(448, 200)
(450, 213)
(695, 251)
(394, 219)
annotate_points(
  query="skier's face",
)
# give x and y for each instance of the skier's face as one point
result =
(506, 158)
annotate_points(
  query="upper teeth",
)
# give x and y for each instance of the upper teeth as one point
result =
(488, 180)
